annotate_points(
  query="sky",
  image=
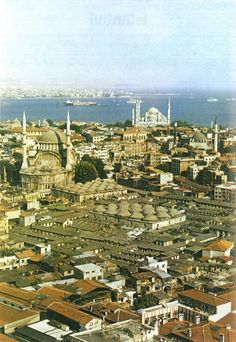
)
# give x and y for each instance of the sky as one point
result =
(151, 44)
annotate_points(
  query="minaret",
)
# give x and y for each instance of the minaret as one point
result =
(216, 137)
(68, 144)
(137, 111)
(4, 175)
(24, 146)
(133, 117)
(168, 113)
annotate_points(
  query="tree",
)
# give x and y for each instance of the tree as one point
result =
(128, 123)
(117, 167)
(85, 172)
(181, 123)
(50, 122)
(145, 301)
(98, 164)
(17, 156)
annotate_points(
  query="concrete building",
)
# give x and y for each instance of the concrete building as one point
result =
(218, 248)
(225, 192)
(215, 307)
(12, 318)
(88, 271)
(70, 314)
(179, 166)
(4, 226)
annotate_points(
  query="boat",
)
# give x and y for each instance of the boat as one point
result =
(231, 99)
(68, 103)
(83, 103)
(212, 99)
(79, 103)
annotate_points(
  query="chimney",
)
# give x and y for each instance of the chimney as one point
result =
(222, 337)
(189, 332)
(165, 320)
(156, 328)
(181, 317)
(197, 319)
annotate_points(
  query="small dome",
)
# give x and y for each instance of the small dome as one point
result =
(124, 204)
(53, 137)
(112, 211)
(163, 209)
(173, 212)
(112, 206)
(163, 215)
(124, 212)
(100, 209)
(150, 218)
(135, 207)
(45, 124)
(136, 215)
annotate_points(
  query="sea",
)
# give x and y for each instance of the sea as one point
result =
(195, 109)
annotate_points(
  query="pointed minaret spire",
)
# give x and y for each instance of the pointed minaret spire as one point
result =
(24, 144)
(168, 113)
(68, 123)
(68, 143)
(216, 136)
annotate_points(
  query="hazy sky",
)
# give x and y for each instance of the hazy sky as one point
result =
(104, 43)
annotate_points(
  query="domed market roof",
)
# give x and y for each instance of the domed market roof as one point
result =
(150, 217)
(53, 137)
(100, 209)
(136, 215)
(148, 210)
(124, 212)
(135, 207)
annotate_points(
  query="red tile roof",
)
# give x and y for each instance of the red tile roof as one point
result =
(203, 297)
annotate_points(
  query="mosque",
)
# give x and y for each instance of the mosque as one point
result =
(51, 162)
(151, 118)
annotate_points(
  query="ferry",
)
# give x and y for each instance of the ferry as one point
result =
(68, 103)
(212, 99)
(79, 103)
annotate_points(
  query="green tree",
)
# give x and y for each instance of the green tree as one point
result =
(128, 123)
(85, 172)
(145, 301)
(98, 164)
(117, 167)
(50, 122)
(17, 156)
(181, 123)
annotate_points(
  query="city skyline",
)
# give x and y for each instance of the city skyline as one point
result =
(156, 44)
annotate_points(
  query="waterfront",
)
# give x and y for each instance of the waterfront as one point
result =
(195, 109)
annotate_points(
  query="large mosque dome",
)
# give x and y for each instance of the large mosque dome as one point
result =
(153, 110)
(53, 137)
(199, 137)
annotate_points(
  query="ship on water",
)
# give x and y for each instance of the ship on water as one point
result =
(212, 99)
(79, 103)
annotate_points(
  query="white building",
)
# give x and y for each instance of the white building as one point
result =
(88, 271)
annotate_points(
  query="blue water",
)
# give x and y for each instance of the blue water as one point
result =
(194, 109)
